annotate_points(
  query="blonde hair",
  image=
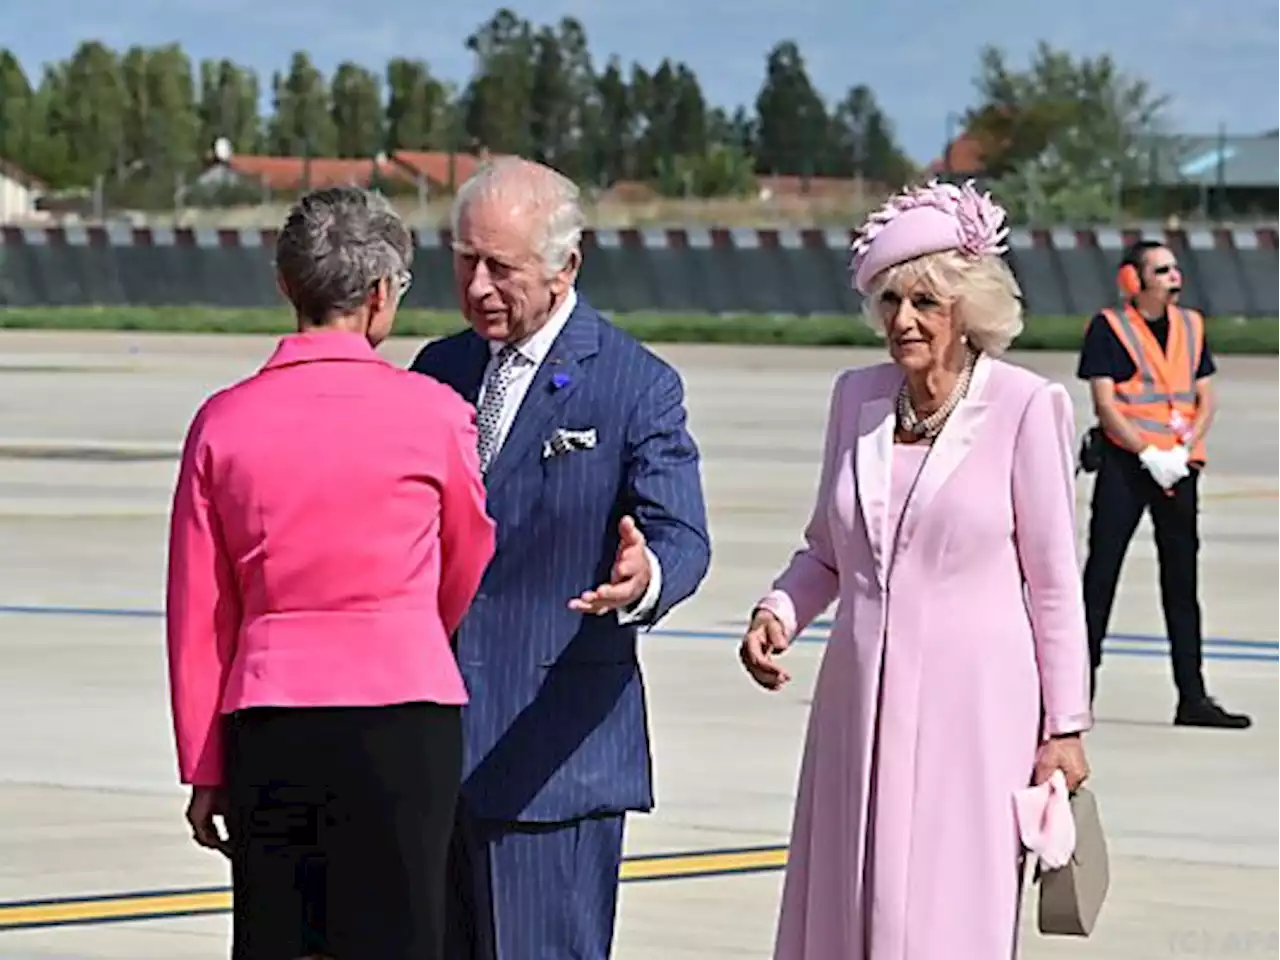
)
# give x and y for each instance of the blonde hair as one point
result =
(983, 294)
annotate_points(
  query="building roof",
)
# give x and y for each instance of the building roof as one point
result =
(292, 174)
(963, 157)
(434, 165)
(11, 171)
(1246, 161)
(296, 173)
(1209, 161)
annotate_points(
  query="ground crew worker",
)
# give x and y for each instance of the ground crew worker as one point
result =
(1149, 368)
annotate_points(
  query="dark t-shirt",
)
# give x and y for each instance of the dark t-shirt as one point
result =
(1103, 355)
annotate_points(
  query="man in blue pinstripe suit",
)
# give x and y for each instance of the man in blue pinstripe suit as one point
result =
(594, 483)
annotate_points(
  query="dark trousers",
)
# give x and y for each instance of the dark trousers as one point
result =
(533, 891)
(339, 820)
(1123, 491)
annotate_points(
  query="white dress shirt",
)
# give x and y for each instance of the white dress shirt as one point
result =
(532, 352)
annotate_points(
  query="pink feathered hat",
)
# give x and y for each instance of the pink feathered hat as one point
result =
(928, 219)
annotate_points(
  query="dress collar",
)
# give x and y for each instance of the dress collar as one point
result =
(315, 345)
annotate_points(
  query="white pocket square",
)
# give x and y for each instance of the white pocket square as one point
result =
(563, 441)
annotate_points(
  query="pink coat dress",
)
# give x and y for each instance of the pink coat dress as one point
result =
(958, 645)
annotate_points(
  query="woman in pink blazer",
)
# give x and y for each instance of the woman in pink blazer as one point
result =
(328, 533)
(957, 669)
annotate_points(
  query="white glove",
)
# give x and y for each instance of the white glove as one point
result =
(1153, 463)
(1166, 467)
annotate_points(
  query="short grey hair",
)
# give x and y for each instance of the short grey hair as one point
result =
(552, 200)
(336, 244)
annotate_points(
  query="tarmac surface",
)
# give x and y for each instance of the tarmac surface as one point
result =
(90, 425)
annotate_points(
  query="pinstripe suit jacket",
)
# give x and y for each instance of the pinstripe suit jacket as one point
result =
(556, 727)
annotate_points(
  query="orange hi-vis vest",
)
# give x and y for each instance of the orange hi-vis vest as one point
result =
(1159, 400)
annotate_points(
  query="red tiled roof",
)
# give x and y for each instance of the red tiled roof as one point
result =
(963, 157)
(297, 173)
(434, 165)
(291, 174)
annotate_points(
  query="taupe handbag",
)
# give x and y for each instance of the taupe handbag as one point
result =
(1071, 896)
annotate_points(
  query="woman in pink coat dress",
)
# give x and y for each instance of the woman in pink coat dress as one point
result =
(956, 672)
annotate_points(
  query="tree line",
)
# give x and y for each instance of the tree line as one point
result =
(151, 113)
(1058, 132)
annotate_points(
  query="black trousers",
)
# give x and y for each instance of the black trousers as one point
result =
(339, 820)
(1123, 491)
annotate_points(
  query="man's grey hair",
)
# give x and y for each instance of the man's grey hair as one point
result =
(336, 245)
(551, 200)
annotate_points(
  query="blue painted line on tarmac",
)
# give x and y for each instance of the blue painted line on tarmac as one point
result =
(1152, 646)
(1151, 638)
(57, 611)
(1120, 644)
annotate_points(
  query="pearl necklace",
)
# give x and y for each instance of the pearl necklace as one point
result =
(929, 427)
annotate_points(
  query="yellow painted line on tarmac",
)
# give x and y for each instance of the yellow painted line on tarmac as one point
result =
(113, 908)
(709, 863)
(169, 904)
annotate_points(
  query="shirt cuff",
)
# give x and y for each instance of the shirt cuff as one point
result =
(780, 604)
(643, 607)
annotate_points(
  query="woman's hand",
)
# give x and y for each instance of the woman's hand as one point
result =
(765, 637)
(1065, 753)
(208, 803)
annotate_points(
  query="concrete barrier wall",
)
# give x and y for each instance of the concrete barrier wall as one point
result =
(1063, 272)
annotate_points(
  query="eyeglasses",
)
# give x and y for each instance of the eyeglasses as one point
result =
(403, 281)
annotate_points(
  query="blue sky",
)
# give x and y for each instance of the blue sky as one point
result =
(1218, 66)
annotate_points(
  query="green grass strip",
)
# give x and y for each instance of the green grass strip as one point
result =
(1227, 335)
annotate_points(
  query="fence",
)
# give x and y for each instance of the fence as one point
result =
(1062, 272)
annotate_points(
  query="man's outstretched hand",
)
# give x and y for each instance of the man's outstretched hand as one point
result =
(628, 580)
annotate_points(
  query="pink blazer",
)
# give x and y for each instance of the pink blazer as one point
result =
(328, 533)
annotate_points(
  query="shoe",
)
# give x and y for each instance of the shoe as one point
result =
(1206, 712)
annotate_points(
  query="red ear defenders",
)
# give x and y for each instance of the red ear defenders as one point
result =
(1128, 280)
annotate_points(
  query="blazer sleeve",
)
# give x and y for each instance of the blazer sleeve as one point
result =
(202, 613)
(811, 580)
(466, 531)
(1045, 533)
(664, 490)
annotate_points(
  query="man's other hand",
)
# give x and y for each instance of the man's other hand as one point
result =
(627, 581)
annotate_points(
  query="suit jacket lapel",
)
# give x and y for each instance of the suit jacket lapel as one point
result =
(949, 450)
(475, 361)
(874, 458)
(555, 381)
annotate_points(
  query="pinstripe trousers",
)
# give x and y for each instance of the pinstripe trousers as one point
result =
(533, 891)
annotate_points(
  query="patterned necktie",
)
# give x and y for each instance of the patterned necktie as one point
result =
(489, 415)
